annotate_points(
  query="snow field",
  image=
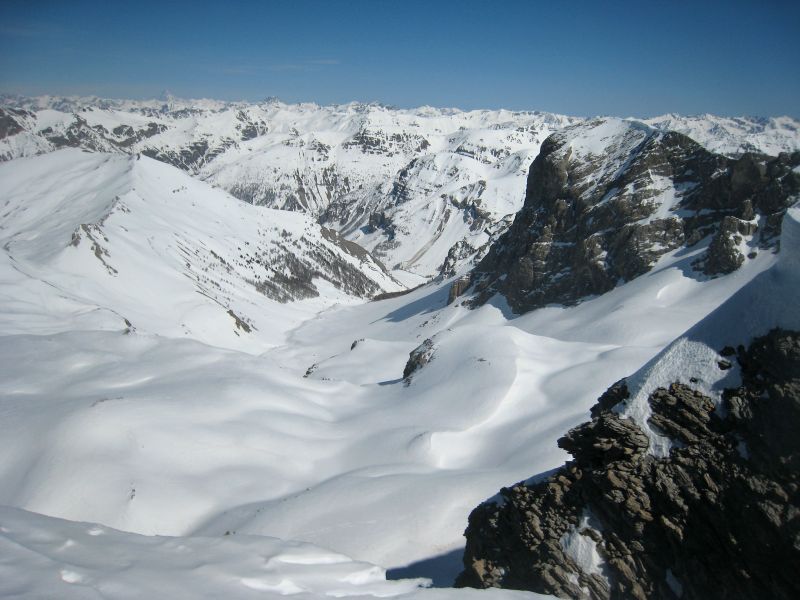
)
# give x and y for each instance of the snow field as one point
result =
(185, 424)
(52, 558)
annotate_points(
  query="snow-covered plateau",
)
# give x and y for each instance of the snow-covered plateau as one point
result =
(204, 388)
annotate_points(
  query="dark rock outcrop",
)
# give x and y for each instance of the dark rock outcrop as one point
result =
(718, 518)
(594, 217)
(457, 288)
(723, 255)
(190, 158)
(418, 358)
(9, 122)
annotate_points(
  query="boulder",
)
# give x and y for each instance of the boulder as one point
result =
(418, 358)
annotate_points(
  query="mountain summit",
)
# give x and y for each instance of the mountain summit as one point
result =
(606, 199)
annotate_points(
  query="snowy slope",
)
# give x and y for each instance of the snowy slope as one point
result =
(406, 184)
(169, 434)
(152, 381)
(116, 242)
(732, 136)
(41, 557)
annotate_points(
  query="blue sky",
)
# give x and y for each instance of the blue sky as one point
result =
(585, 58)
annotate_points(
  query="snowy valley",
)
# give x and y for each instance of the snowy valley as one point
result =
(251, 350)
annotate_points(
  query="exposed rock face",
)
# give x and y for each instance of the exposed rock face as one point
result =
(8, 122)
(605, 199)
(457, 288)
(418, 358)
(718, 518)
(723, 255)
(293, 266)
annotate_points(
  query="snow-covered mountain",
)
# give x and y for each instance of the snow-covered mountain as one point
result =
(124, 242)
(608, 197)
(176, 362)
(734, 136)
(426, 190)
(407, 185)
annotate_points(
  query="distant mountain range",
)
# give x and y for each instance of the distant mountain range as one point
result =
(425, 190)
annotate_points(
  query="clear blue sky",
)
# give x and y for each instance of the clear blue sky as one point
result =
(585, 58)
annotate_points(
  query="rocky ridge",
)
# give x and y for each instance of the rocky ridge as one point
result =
(718, 518)
(607, 198)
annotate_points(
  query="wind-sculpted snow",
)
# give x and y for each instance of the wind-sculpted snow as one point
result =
(152, 381)
(50, 558)
(159, 427)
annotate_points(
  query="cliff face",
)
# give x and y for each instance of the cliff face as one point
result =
(605, 199)
(718, 518)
